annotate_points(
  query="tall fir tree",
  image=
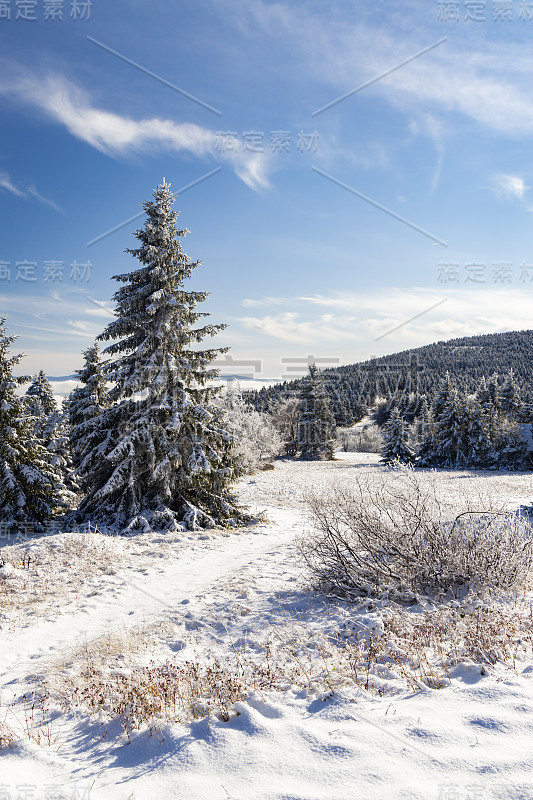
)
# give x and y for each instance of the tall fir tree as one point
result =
(89, 438)
(39, 396)
(493, 389)
(27, 493)
(427, 447)
(315, 430)
(450, 433)
(444, 393)
(509, 449)
(169, 460)
(396, 445)
(474, 445)
(56, 440)
(510, 403)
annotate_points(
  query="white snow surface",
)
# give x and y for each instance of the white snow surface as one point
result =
(226, 594)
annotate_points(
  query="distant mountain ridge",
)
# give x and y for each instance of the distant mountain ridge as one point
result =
(352, 388)
(467, 359)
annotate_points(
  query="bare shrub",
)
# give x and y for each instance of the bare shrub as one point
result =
(393, 532)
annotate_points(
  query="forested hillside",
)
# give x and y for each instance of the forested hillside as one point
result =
(353, 388)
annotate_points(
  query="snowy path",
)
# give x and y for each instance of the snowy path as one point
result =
(468, 741)
(147, 592)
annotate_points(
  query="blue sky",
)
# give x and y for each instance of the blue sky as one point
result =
(296, 263)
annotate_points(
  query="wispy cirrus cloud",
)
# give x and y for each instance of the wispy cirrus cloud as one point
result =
(249, 302)
(460, 77)
(116, 135)
(7, 184)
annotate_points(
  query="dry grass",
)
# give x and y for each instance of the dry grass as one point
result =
(404, 650)
(28, 718)
(104, 679)
(51, 567)
(452, 636)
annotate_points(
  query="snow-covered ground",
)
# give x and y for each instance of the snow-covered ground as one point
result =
(82, 613)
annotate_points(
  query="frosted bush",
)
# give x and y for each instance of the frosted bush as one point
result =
(394, 532)
(256, 438)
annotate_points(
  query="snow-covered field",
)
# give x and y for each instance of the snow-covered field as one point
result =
(266, 688)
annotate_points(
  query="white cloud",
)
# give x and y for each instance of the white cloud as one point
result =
(459, 75)
(7, 183)
(291, 328)
(360, 320)
(49, 317)
(510, 186)
(428, 125)
(265, 301)
(116, 135)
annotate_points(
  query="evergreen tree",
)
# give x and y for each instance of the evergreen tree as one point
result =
(474, 444)
(88, 400)
(169, 461)
(27, 496)
(315, 432)
(484, 396)
(509, 449)
(442, 397)
(396, 446)
(55, 439)
(510, 403)
(427, 448)
(449, 434)
(493, 389)
(89, 438)
(40, 398)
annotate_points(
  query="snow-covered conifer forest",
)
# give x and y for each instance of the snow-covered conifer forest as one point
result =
(318, 590)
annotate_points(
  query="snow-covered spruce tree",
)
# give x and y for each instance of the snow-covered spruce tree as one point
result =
(446, 389)
(39, 396)
(396, 446)
(27, 496)
(55, 439)
(427, 447)
(449, 433)
(89, 438)
(170, 461)
(315, 432)
(50, 429)
(493, 391)
(510, 403)
(474, 444)
(509, 450)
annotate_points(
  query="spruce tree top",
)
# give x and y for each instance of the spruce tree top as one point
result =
(154, 313)
(7, 380)
(40, 390)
